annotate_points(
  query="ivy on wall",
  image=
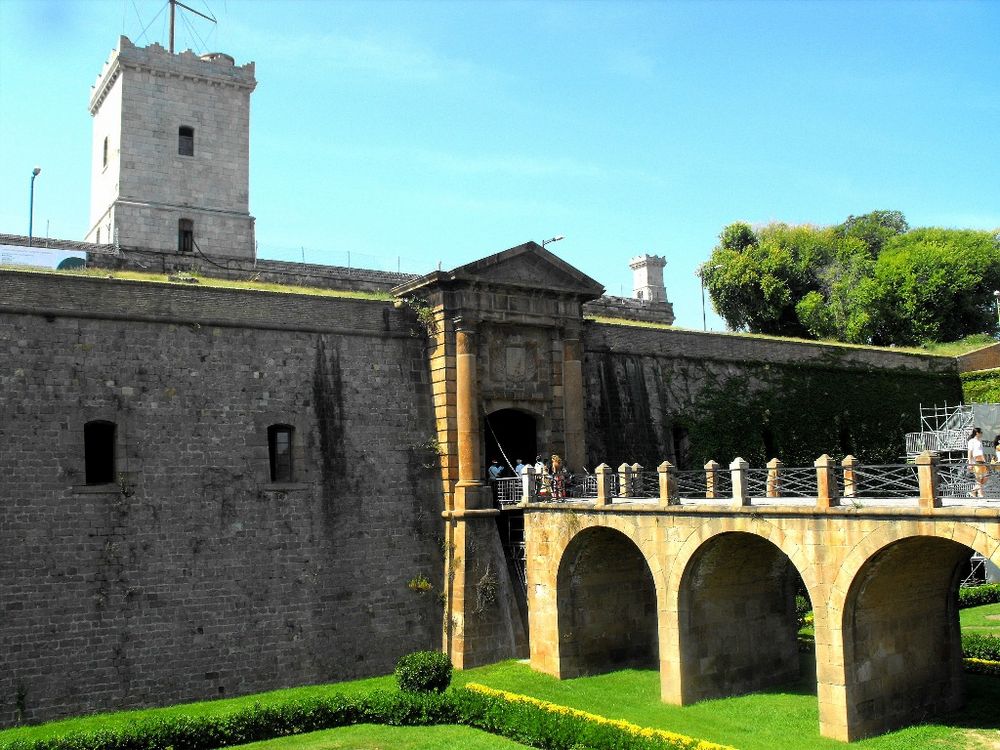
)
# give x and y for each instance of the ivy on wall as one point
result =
(799, 412)
(646, 409)
(982, 386)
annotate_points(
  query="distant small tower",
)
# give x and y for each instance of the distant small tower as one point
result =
(171, 152)
(647, 278)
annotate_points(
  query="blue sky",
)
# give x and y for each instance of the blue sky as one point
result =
(423, 132)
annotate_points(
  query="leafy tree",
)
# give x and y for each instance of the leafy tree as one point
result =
(756, 278)
(870, 279)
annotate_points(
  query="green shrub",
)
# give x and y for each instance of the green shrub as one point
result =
(976, 596)
(981, 646)
(423, 672)
(802, 607)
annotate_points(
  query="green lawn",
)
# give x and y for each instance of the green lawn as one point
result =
(763, 721)
(984, 619)
(369, 737)
(788, 718)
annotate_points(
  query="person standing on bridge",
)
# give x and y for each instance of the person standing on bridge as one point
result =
(977, 461)
(495, 470)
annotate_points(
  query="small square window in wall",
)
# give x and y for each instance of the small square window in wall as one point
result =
(185, 236)
(185, 141)
(279, 448)
(99, 452)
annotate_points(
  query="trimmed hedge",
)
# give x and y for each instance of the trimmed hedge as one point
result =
(519, 718)
(976, 596)
(548, 725)
(981, 646)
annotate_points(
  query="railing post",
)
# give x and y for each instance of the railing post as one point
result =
(668, 484)
(774, 477)
(624, 481)
(848, 464)
(529, 490)
(927, 473)
(741, 492)
(603, 473)
(711, 471)
(827, 495)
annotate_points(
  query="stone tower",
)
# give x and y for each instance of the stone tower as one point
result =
(647, 278)
(171, 152)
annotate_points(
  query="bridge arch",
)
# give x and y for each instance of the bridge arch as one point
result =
(899, 638)
(734, 592)
(606, 603)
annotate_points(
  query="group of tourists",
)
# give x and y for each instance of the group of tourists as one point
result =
(980, 457)
(551, 477)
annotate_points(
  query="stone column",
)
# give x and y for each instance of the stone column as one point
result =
(827, 494)
(711, 471)
(469, 490)
(927, 473)
(741, 489)
(573, 400)
(774, 477)
(603, 485)
(668, 484)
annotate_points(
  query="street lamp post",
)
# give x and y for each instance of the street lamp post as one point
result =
(700, 273)
(996, 298)
(31, 203)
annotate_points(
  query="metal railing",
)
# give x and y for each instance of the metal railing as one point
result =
(881, 481)
(926, 483)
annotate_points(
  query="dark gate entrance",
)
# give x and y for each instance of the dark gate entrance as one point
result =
(510, 432)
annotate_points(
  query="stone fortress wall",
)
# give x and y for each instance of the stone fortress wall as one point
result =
(194, 576)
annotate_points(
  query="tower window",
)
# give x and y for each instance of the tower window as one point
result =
(105, 151)
(99, 451)
(185, 141)
(185, 236)
(279, 448)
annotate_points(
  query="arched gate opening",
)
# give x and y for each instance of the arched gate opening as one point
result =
(606, 601)
(902, 641)
(738, 630)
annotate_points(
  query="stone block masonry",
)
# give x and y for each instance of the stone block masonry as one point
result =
(194, 576)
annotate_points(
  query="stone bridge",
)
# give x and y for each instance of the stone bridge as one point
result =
(705, 592)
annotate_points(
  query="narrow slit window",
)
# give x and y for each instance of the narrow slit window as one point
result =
(185, 141)
(105, 151)
(99, 452)
(279, 446)
(185, 236)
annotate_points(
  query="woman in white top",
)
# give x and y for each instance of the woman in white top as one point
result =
(977, 461)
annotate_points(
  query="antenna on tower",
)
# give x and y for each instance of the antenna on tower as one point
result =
(173, 9)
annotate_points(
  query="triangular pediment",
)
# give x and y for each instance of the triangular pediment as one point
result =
(527, 266)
